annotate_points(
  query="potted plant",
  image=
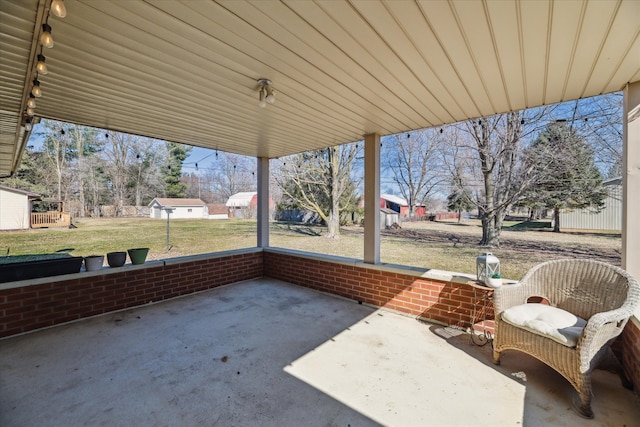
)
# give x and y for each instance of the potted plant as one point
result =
(93, 262)
(138, 255)
(116, 259)
(495, 280)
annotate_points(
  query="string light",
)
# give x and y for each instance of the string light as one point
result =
(36, 91)
(46, 38)
(58, 8)
(41, 67)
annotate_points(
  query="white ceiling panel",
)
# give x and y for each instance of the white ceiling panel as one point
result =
(186, 71)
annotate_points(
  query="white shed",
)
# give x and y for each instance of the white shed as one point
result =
(609, 218)
(15, 208)
(182, 208)
(243, 204)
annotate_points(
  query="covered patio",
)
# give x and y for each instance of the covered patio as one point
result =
(190, 72)
(265, 352)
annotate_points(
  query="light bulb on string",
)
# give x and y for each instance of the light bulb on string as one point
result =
(41, 66)
(30, 112)
(31, 103)
(27, 125)
(46, 38)
(35, 90)
(58, 9)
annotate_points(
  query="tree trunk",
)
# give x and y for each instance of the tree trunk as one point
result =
(333, 223)
(556, 220)
(333, 226)
(81, 168)
(490, 235)
(459, 217)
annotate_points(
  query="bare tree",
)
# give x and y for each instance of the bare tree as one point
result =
(489, 152)
(228, 174)
(145, 172)
(84, 140)
(118, 154)
(60, 151)
(321, 181)
(414, 165)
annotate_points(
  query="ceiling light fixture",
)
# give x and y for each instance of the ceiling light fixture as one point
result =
(41, 67)
(58, 9)
(267, 93)
(263, 94)
(36, 91)
(46, 38)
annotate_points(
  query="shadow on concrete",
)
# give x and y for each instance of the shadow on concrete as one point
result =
(213, 358)
(548, 396)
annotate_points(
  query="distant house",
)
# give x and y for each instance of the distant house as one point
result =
(182, 208)
(218, 211)
(15, 208)
(400, 205)
(245, 204)
(609, 218)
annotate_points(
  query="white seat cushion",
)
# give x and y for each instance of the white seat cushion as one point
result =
(552, 322)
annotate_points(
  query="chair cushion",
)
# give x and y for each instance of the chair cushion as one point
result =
(552, 322)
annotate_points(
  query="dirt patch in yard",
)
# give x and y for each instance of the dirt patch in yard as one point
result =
(537, 244)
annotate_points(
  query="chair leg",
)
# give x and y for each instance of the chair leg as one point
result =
(496, 357)
(583, 407)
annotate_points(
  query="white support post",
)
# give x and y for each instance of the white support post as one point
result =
(372, 198)
(263, 202)
(631, 180)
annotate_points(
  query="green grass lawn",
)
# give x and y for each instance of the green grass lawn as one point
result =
(438, 245)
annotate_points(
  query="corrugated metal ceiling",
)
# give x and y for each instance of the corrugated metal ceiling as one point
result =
(186, 71)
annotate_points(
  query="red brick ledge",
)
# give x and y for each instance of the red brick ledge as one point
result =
(434, 295)
(40, 303)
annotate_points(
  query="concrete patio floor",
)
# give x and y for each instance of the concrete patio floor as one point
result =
(268, 353)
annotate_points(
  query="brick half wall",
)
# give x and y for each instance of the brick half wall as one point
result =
(631, 352)
(26, 307)
(449, 302)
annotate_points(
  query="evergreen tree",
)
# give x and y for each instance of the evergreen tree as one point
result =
(177, 153)
(458, 200)
(567, 176)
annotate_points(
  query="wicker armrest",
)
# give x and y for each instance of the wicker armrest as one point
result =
(615, 318)
(509, 296)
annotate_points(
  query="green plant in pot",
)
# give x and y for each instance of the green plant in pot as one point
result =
(495, 280)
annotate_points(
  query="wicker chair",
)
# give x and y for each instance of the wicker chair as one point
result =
(603, 295)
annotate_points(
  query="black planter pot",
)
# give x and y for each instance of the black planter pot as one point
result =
(42, 268)
(116, 259)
